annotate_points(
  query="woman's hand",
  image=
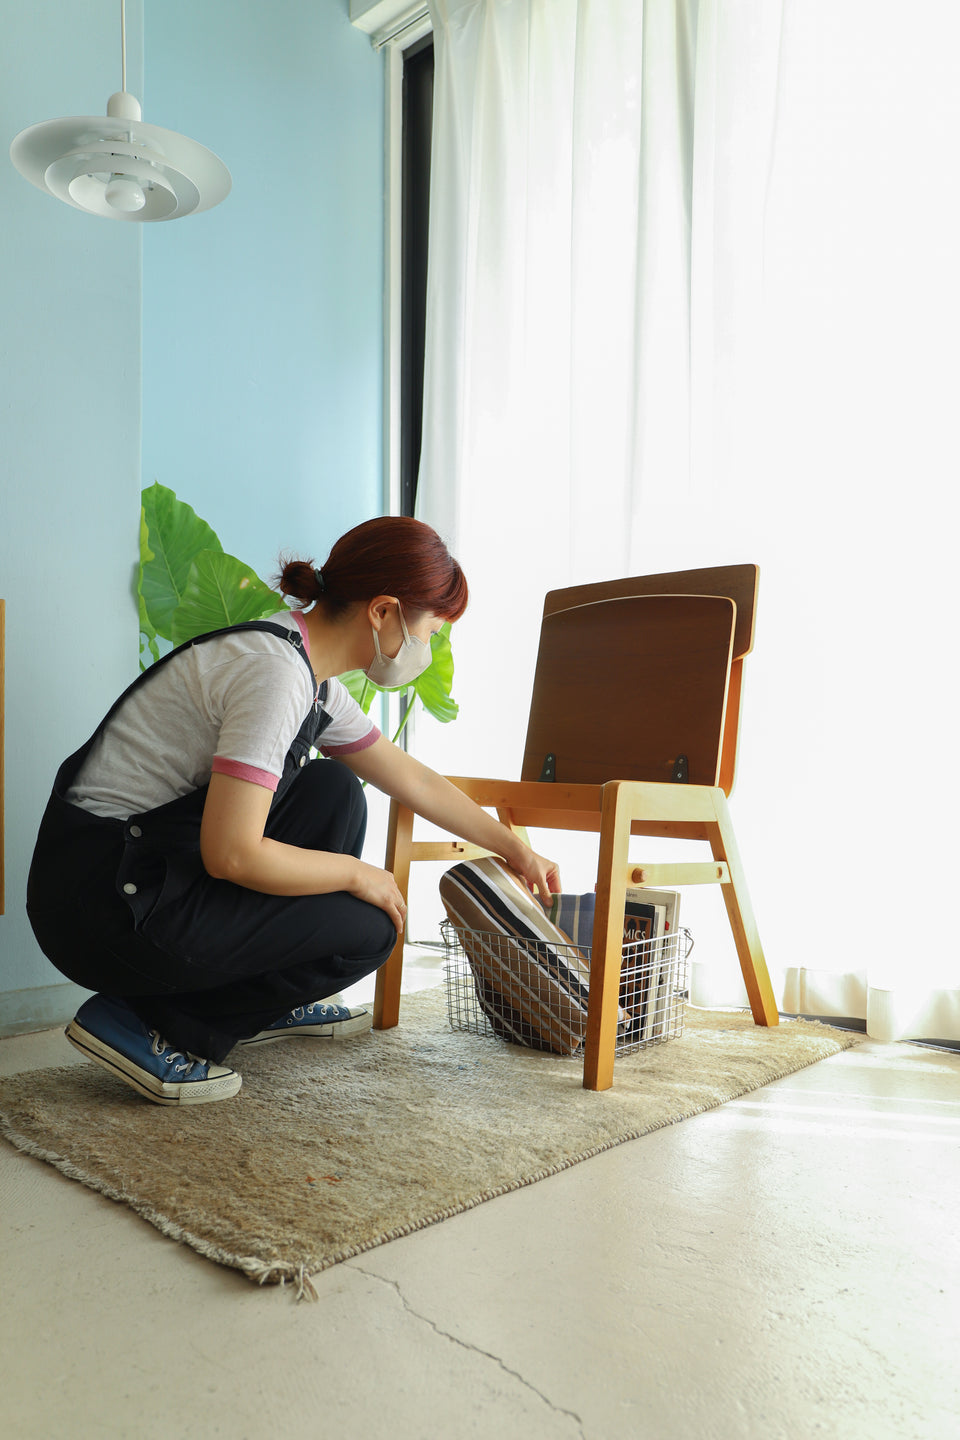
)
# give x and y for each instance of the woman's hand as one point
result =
(378, 887)
(536, 872)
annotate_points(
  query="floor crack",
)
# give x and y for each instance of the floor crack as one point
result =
(465, 1345)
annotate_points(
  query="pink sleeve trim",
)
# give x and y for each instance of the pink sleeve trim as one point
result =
(250, 773)
(371, 738)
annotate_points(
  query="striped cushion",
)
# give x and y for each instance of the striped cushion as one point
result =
(573, 914)
(531, 982)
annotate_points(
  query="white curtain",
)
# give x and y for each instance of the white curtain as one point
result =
(693, 299)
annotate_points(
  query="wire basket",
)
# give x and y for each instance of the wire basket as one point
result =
(510, 989)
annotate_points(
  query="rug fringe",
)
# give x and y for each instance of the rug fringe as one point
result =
(271, 1272)
(305, 1286)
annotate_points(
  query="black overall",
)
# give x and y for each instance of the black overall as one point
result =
(126, 908)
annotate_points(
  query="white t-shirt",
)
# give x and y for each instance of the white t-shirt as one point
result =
(232, 705)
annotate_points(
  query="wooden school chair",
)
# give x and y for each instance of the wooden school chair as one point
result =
(632, 730)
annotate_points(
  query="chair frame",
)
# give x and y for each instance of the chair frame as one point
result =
(616, 810)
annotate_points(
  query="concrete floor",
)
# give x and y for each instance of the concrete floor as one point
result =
(785, 1266)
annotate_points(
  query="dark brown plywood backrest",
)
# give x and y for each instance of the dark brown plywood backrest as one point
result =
(738, 582)
(626, 684)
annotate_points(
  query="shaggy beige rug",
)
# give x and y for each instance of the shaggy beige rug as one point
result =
(330, 1149)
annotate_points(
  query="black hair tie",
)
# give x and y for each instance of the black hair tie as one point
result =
(320, 580)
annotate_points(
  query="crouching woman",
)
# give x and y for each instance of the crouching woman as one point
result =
(201, 872)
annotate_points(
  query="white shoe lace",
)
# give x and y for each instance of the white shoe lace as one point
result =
(300, 1012)
(169, 1056)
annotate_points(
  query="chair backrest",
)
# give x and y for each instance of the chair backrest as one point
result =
(738, 582)
(639, 679)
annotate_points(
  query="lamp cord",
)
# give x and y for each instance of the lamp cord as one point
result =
(123, 45)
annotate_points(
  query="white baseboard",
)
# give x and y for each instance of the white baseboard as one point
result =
(41, 1008)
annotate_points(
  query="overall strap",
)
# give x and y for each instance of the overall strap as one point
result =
(293, 637)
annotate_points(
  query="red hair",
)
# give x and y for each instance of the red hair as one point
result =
(392, 555)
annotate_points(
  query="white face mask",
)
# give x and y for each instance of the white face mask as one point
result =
(411, 660)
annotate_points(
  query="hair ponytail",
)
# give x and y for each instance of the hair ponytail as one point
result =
(298, 581)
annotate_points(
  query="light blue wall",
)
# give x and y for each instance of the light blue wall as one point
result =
(69, 448)
(263, 317)
(260, 367)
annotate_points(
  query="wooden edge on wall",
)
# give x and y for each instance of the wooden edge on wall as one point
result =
(3, 607)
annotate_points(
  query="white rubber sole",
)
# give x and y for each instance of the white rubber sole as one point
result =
(161, 1092)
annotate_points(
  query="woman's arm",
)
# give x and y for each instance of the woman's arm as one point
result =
(233, 847)
(436, 799)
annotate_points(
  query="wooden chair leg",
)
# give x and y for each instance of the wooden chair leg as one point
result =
(607, 953)
(740, 913)
(505, 817)
(386, 1004)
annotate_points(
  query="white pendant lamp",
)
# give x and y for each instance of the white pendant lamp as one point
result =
(117, 166)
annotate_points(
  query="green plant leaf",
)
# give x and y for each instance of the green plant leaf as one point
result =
(148, 635)
(220, 590)
(434, 685)
(172, 535)
(362, 689)
(146, 554)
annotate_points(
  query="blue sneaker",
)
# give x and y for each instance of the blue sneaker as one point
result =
(318, 1021)
(106, 1030)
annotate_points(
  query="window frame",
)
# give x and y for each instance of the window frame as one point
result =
(394, 26)
(393, 261)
